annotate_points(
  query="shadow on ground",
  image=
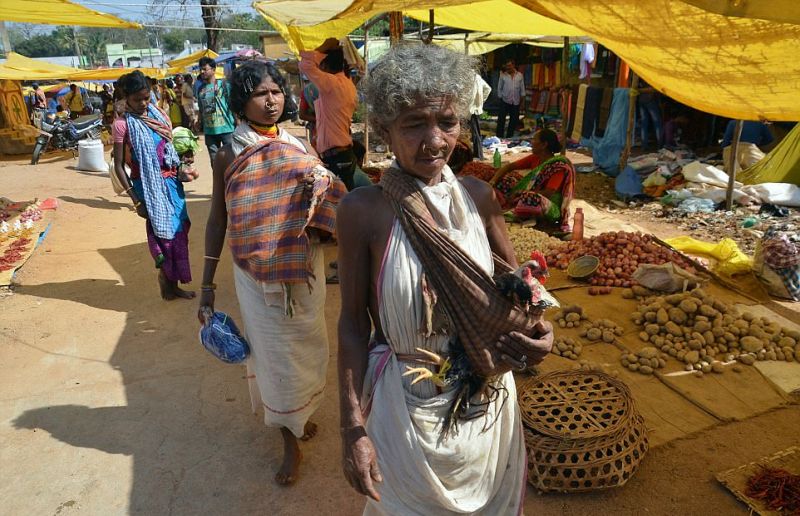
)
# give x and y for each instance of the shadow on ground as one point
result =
(196, 446)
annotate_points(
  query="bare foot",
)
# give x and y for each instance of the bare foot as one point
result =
(167, 293)
(183, 294)
(287, 474)
(309, 431)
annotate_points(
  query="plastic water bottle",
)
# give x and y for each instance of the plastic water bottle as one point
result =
(577, 226)
(498, 160)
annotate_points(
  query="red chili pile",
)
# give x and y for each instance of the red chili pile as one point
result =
(620, 254)
(14, 252)
(777, 488)
(478, 169)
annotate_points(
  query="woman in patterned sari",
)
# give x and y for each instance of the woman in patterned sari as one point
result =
(143, 143)
(545, 192)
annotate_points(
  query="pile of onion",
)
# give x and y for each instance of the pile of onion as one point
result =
(620, 254)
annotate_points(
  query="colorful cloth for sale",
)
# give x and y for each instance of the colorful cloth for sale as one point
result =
(544, 193)
(269, 211)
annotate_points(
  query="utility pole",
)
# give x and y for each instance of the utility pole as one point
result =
(6, 42)
(77, 47)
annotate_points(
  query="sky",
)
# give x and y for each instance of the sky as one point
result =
(136, 10)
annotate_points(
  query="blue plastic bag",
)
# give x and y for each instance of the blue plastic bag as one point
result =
(628, 185)
(220, 336)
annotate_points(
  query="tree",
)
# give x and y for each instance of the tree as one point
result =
(212, 16)
(58, 42)
(248, 21)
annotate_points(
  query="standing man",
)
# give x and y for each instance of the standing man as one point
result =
(511, 90)
(187, 102)
(480, 92)
(38, 105)
(649, 107)
(218, 122)
(334, 108)
(74, 102)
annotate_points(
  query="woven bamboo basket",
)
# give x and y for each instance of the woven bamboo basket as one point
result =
(582, 433)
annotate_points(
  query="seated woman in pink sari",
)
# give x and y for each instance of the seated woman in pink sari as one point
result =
(545, 192)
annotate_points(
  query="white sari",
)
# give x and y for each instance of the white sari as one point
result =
(481, 468)
(288, 360)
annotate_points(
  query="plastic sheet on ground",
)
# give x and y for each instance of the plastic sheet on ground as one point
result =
(730, 259)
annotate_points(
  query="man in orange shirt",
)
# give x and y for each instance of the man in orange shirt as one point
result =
(334, 108)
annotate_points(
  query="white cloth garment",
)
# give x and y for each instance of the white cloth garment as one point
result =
(479, 470)
(511, 89)
(288, 360)
(480, 92)
(749, 155)
(588, 55)
(244, 136)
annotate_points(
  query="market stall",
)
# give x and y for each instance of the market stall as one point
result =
(23, 225)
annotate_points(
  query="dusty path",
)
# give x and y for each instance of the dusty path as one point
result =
(108, 405)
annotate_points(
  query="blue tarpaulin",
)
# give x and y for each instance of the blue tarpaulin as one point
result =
(606, 151)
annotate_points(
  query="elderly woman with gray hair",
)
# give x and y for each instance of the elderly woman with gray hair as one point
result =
(417, 445)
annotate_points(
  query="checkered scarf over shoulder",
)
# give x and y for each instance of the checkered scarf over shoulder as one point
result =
(477, 310)
(269, 211)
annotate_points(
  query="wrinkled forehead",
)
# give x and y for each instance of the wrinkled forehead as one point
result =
(429, 105)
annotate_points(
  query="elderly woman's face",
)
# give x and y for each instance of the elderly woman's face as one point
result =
(266, 103)
(424, 135)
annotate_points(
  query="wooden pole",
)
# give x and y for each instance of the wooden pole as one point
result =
(366, 107)
(733, 164)
(626, 152)
(564, 78)
(430, 27)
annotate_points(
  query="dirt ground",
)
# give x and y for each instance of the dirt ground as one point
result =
(109, 405)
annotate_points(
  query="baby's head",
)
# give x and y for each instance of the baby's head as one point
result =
(187, 157)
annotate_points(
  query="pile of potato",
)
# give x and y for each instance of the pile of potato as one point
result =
(620, 254)
(526, 240)
(700, 331)
(570, 316)
(602, 330)
(566, 347)
(646, 360)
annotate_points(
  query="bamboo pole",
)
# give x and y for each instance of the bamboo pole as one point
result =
(564, 78)
(733, 164)
(366, 107)
(430, 27)
(626, 152)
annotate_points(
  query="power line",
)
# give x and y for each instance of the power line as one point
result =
(229, 29)
(177, 6)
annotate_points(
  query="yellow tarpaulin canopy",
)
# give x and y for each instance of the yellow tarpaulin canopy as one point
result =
(781, 165)
(182, 63)
(784, 11)
(59, 12)
(20, 68)
(305, 24)
(735, 67)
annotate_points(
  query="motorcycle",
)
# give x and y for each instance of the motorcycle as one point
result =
(61, 134)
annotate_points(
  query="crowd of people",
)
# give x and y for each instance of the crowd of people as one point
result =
(277, 200)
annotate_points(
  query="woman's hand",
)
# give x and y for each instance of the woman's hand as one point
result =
(521, 351)
(360, 462)
(207, 299)
(141, 210)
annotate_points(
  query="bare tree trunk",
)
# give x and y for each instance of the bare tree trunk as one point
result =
(211, 18)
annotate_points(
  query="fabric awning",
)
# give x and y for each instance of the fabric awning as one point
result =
(734, 67)
(182, 63)
(305, 24)
(59, 12)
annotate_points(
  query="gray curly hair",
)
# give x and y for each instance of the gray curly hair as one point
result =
(412, 71)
